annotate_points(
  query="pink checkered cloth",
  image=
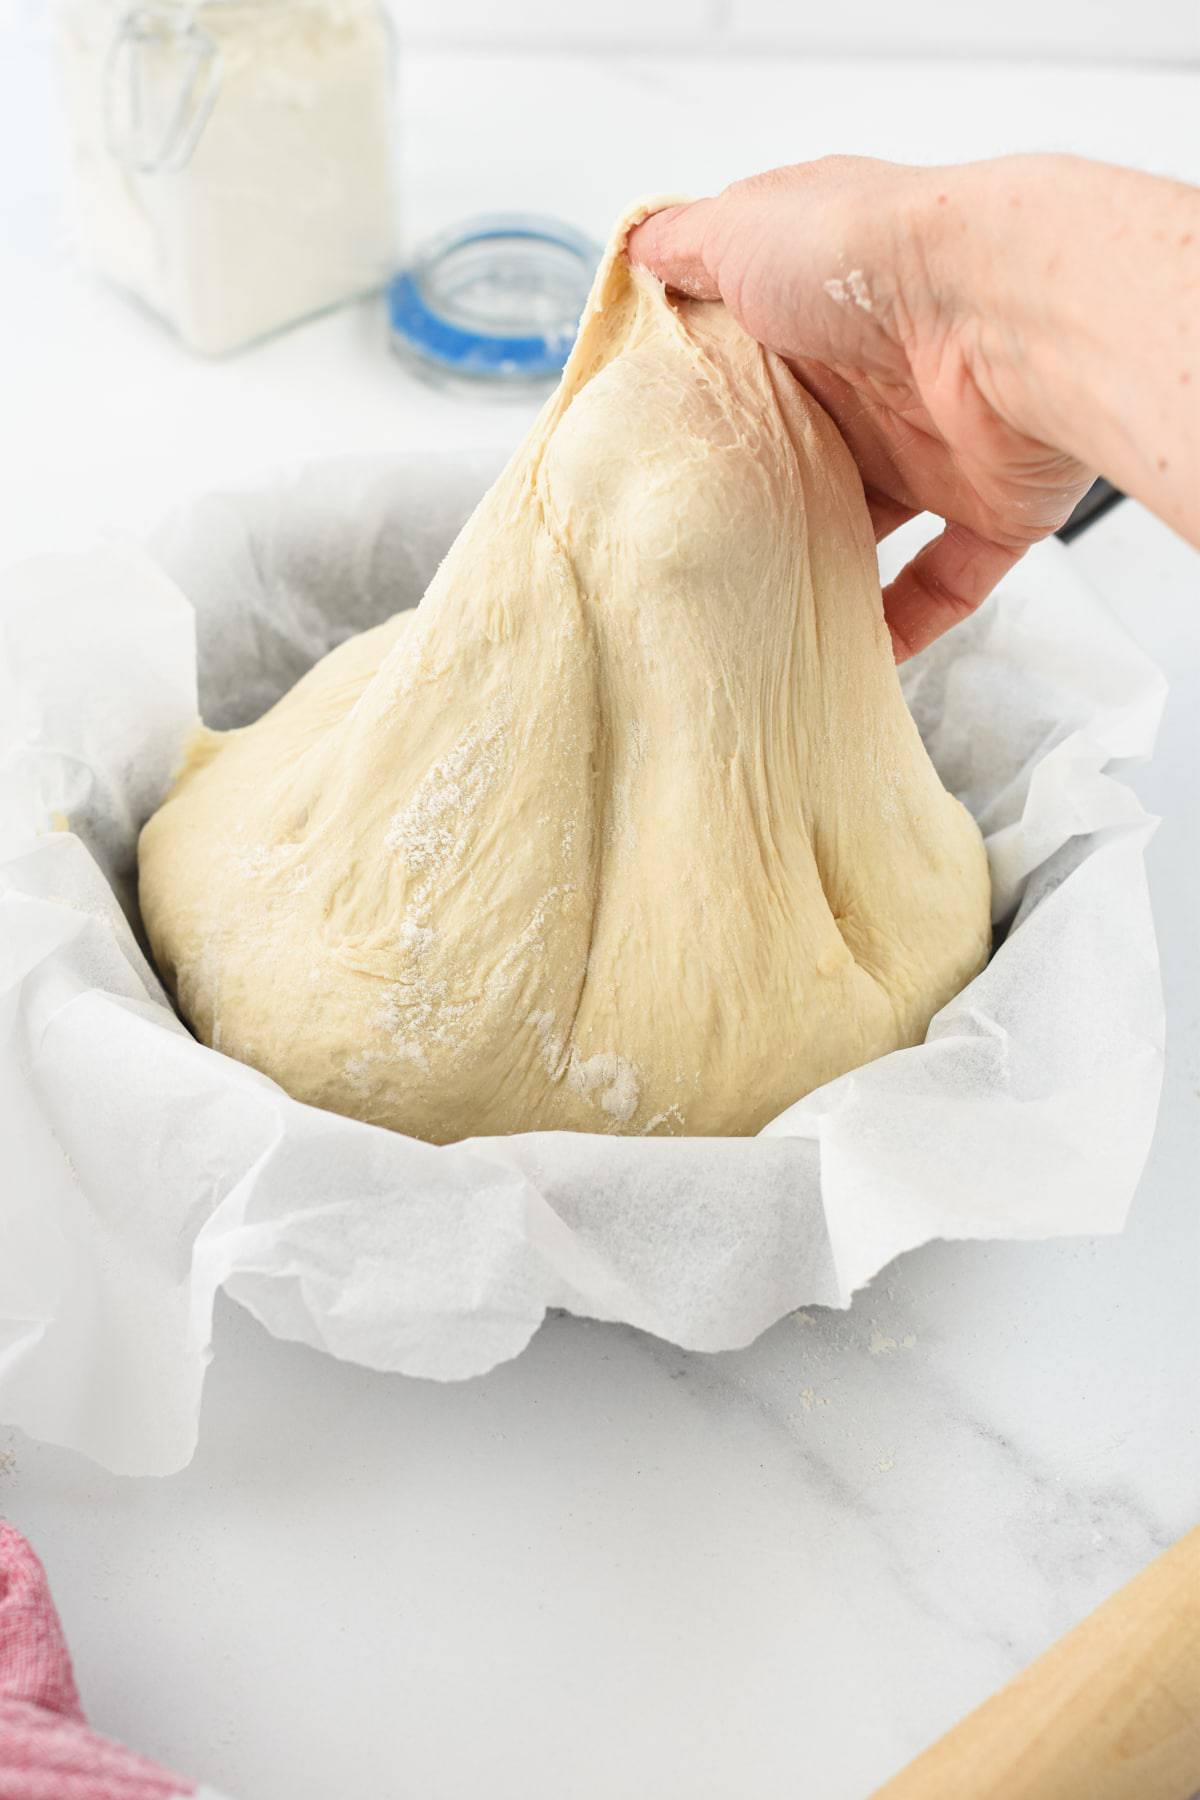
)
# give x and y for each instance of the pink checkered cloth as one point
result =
(47, 1751)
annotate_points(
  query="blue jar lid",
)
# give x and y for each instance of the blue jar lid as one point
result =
(496, 300)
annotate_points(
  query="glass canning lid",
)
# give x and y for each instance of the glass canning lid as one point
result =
(494, 303)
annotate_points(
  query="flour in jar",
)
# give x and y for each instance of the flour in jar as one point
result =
(233, 159)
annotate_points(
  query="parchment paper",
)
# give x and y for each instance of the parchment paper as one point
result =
(140, 1171)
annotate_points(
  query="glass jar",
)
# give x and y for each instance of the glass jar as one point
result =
(234, 158)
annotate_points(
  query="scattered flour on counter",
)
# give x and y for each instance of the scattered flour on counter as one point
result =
(882, 1345)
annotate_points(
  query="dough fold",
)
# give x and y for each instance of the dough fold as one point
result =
(626, 827)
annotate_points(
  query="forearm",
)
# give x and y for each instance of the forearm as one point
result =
(1081, 284)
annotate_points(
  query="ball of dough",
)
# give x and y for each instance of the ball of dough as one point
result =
(627, 827)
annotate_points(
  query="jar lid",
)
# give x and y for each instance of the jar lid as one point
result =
(495, 301)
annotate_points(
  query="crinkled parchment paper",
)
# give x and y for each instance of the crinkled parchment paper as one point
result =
(140, 1171)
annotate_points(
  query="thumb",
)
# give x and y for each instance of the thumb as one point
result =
(671, 245)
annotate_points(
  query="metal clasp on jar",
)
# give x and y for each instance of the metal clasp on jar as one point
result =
(154, 140)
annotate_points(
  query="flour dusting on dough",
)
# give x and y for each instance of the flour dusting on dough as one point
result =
(428, 831)
(606, 1079)
(670, 1116)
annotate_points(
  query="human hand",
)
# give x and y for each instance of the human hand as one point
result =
(861, 274)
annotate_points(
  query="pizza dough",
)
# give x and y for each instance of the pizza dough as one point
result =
(627, 827)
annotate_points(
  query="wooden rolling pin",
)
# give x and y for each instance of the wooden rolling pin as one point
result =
(1110, 1712)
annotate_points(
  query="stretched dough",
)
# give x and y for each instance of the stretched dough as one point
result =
(627, 827)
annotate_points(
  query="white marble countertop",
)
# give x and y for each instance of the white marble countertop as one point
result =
(611, 1567)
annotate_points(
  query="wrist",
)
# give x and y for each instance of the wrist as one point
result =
(1072, 288)
(996, 238)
